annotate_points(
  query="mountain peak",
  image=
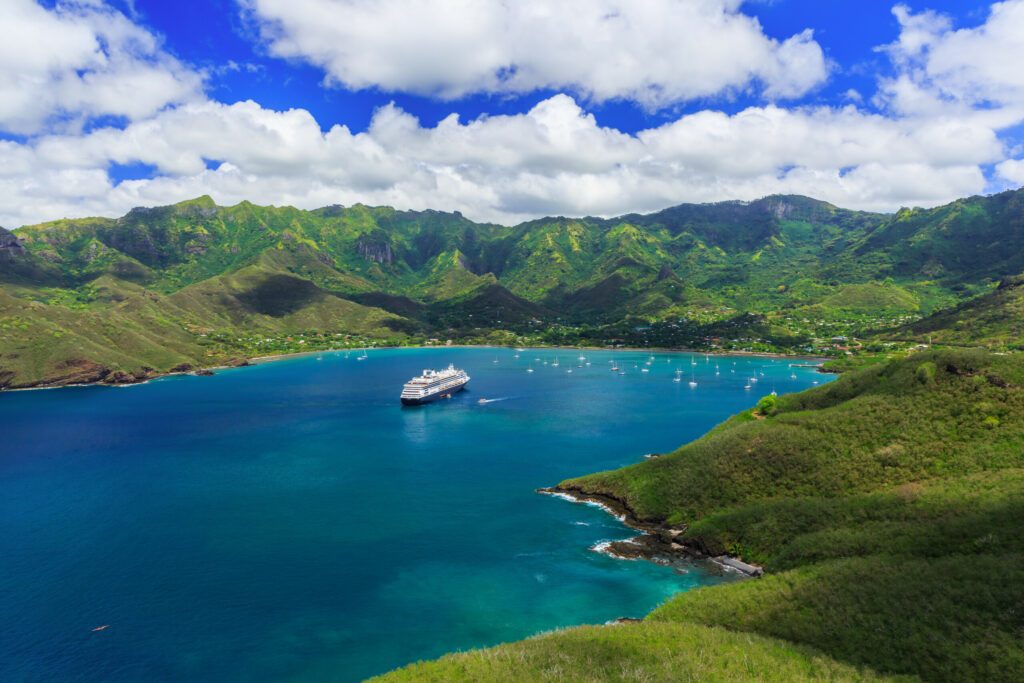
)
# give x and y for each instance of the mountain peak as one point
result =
(203, 202)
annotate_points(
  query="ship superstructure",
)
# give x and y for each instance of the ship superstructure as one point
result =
(434, 384)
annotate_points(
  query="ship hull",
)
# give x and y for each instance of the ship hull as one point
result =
(433, 397)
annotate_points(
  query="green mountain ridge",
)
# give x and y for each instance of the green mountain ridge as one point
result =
(775, 273)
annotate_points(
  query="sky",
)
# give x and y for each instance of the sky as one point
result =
(505, 110)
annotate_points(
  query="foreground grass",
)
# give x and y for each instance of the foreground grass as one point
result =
(651, 651)
(948, 619)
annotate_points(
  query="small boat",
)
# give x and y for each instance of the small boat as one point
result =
(529, 369)
(793, 376)
(569, 371)
(101, 628)
(495, 360)
(644, 370)
(555, 364)
(693, 380)
(515, 355)
(362, 357)
(582, 358)
(678, 377)
(748, 386)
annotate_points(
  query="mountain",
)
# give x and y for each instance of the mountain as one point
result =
(227, 282)
(884, 507)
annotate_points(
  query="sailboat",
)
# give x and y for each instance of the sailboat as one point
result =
(615, 366)
(555, 364)
(679, 376)
(362, 357)
(529, 369)
(693, 381)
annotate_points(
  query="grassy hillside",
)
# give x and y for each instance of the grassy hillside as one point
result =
(994, 319)
(779, 273)
(662, 651)
(885, 507)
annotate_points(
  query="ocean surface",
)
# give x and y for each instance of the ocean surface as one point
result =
(291, 521)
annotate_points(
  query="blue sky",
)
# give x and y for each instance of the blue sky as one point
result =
(212, 33)
(145, 101)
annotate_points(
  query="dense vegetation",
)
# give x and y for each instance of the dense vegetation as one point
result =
(199, 284)
(885, 507)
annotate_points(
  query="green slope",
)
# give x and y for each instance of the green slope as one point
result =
(994, 319)
(637, 652)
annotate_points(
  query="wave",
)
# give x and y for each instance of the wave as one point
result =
(592, 503)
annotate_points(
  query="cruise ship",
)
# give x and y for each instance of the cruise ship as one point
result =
(434, 384)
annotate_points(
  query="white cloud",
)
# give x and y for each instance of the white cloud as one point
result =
(655, 52)
(1011, 170)
(927, 145)
(79, 60)
(554, 159)
(947, 69)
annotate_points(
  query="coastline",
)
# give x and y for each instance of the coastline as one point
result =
(658, 542)
(106, 377)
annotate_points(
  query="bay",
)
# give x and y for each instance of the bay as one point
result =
(291, 521)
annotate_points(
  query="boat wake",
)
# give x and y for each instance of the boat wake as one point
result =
(485, 401)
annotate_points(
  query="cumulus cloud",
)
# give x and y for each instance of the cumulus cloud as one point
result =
(953, 70)
(554, 159)
(82, 59)
(929, 143)
(655, 52)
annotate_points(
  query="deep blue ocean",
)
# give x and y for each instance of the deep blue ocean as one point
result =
(292, 521)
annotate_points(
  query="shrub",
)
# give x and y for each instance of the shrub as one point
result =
(925, 373)
(767, 405)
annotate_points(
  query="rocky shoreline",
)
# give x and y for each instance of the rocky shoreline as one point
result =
(81, 372)
(658, 542)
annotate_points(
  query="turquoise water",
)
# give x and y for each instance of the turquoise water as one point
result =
(292, 521)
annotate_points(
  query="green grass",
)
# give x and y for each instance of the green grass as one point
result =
(649, 651)
(943, 619)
